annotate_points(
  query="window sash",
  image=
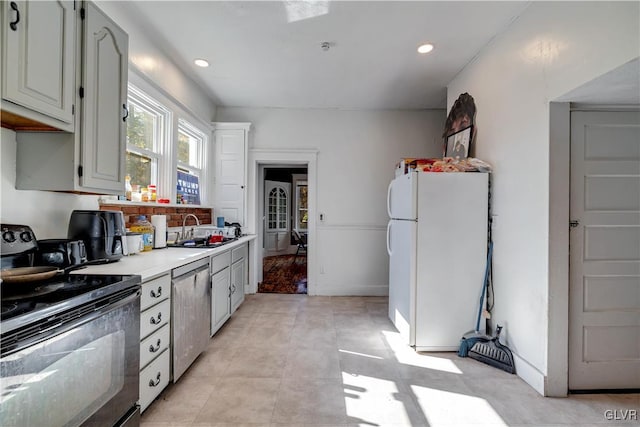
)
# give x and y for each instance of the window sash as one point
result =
(176, 120)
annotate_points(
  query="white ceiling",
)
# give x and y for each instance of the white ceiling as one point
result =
(268, 54)
(618, 86)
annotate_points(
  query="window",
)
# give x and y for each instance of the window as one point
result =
(191, 142)
(277, 209)
(302, 213)
(146, 138)
(166, 146)
(190, 155)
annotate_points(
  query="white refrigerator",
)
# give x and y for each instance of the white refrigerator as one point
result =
(437, 245)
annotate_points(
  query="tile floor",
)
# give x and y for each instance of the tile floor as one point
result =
(295, 360)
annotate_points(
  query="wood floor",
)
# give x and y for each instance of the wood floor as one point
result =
(296, 360)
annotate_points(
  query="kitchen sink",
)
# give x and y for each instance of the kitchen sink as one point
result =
(200, 243)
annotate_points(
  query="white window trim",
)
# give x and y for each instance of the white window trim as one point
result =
(161, 130)
(186, 127)
(278, 213)
(300, 183)
(168, 181)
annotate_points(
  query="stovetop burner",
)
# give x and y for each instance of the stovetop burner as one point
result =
(31, 293)
(43, 296)
(10, 309)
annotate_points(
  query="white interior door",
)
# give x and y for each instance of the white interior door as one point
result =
(277, 208)
(604, 319)
(230, 174)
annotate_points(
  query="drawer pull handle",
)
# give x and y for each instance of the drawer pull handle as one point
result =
(14, 24)
(153, 349)
(155, 321)
(233, 289)
(156, 295)
(156, 382)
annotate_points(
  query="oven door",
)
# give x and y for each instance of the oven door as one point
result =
(85, 372)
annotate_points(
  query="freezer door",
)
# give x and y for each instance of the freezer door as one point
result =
(402, 197)
(401, 245)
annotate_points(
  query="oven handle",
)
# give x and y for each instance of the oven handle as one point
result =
(66, 325)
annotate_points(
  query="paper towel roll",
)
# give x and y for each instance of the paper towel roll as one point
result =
(160, 224)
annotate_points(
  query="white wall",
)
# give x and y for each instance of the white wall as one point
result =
(45, 211)
(550, 50)
(147, 58)
(357, 151)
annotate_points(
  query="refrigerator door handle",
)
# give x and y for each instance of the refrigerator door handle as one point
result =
(389, 199)
(389, 238)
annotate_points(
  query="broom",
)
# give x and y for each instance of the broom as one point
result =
(472, 337)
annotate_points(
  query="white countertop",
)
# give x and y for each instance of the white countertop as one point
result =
(159, 261)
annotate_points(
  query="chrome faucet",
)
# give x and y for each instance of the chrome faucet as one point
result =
(184, 221)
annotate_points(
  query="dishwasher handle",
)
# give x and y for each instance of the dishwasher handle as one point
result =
(190, 268)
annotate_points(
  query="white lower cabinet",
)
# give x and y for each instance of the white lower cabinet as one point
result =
(154, 344)
(228, 278)
(239, 275)
(220, 305)
(237, 284)
(155, 333)
(154, 378)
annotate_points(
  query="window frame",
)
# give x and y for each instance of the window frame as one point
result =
(298, 185)
(189, 129)
(141, 100)
(168, 164)
(279, 211)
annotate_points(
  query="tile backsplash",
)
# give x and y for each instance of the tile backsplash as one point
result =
(175, 215)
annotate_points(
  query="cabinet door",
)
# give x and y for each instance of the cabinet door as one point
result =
(104, 103)
(237, 284)
(220, 302)
(230, 174)
(39, 56)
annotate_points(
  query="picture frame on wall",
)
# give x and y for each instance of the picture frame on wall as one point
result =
(458, 144)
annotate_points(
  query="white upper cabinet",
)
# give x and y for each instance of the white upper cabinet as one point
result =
(92, 158)
(38, 61)
(104, 86)
(231, 149)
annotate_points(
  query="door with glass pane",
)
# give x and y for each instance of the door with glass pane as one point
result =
(277, 210)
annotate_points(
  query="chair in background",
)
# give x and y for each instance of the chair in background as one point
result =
(302, 246)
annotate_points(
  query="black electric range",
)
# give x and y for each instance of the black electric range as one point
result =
(36, 308)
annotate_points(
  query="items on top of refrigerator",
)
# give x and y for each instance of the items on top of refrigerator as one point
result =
(447, 164)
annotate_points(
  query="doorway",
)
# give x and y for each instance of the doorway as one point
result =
(285, 229)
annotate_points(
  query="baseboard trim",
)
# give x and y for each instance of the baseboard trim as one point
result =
(350, 290)
(529, 374)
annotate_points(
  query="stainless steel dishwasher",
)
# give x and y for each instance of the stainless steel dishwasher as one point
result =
(190, 313)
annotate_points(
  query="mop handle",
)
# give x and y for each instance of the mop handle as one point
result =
(484, 285)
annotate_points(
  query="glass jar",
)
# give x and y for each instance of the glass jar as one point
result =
(153, 196)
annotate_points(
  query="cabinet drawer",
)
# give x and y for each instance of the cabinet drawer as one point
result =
(153, 345)
(154, 291)
(239, 253)
(220, 262)
(153, 379)
(154, 318)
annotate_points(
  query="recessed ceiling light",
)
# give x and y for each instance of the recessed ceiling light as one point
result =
(201, 62)
(425, 48)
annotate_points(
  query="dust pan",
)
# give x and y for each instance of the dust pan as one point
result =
(493, 353)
